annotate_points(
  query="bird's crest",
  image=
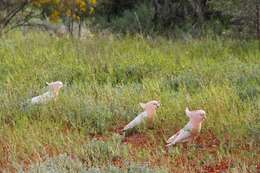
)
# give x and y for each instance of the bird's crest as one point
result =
(142, 105)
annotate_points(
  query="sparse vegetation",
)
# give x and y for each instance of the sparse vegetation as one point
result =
(105, 78)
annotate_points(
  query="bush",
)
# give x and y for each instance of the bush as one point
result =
(138, 20)
(59, 164)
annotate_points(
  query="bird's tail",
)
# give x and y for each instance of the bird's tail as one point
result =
(25, 105)
(171, 139)
(170, 144)
(132, 124)
(135, 121)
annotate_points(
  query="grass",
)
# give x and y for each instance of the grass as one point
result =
(105, 78)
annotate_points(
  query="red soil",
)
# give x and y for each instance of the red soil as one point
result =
(118, 128)
(137, 140)
(258, 168)
(99, 137)
(118, 162)
(206, 141)
(221, 166)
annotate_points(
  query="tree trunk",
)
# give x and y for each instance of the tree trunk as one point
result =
(6, 19)
(157, 7)
(71, 27)
(79, 31)
(257, 21)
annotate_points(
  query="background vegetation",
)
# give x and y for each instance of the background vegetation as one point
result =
(113, 54)
(106, 77)
(233, 18)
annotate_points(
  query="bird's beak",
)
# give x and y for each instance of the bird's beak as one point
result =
(204, 117)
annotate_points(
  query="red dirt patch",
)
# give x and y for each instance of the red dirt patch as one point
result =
(258, 168)
(208, 140)
(137, 140)
(118, 162)
(32, 158)
(117, 128)
(68, 128)
(99, 137)
(5, 160)
(51, 151)
(222, 166)
(35, 156)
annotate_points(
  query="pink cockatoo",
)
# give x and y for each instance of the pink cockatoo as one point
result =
(148, 113)
(190, 130)
(52, 93)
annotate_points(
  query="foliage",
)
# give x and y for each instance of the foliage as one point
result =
(56, 9)
(112, 8)
(66, 164)
(13, 14)
(105, 78)
(135, 20)
(242, 14)
(233, 18)
(22, 13)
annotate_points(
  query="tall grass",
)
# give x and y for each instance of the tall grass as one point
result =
(105, 79)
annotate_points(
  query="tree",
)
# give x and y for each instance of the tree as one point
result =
(244, 15)
(16, 13)
(13, 13)
(114, 8)
(66, 11)
(258, 20)
(177, 12)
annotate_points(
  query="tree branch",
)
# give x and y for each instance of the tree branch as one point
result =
(6, 20)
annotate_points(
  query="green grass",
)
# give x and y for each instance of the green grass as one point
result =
(106, 77)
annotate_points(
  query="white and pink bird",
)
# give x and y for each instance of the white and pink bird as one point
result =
(52, 93)
(190, 130)
(148, 114)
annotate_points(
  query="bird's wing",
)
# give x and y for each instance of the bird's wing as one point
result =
(181, 137)
(137, 120)
(41, 98)
(184, 134)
